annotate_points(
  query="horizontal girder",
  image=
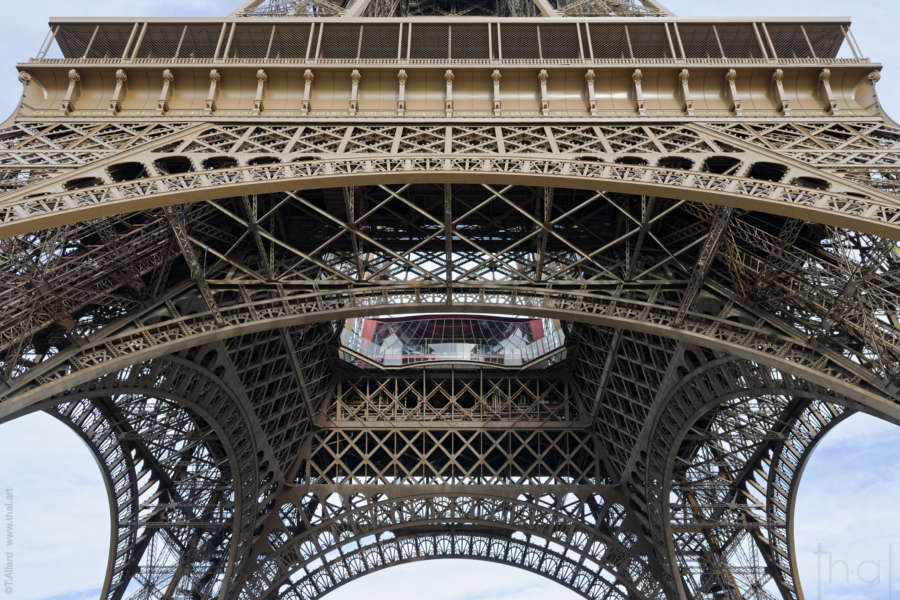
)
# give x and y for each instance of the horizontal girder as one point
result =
(880, 217)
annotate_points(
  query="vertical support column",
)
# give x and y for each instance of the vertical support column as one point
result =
(780, 96)
(496, 77)
(68, 99)
(115, 103)
(688, 102)
(214, 78)
(830, 100)
(355, 77)
(448, 240)
(308, 77)
(637, 77)
(731, 81)
(261, 79)
(448, 92)
(401, 92)
(589, 78)
(543, 76)
(162, 105)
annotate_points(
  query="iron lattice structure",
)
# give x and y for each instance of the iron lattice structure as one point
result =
(200, 217)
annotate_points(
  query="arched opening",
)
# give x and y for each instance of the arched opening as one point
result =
(631, 160)
(721, 165)
(676, 162)
(82, 183)
(127, 171)
(767, 171)
(453, 579)
(220, 162)
(846, 525)
(172, 165)
(814, 183)
(55, 506)
(263, 160)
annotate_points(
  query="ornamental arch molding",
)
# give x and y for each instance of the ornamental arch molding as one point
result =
(579, 541)
(119, 352)
(157, 498)
(710, 502)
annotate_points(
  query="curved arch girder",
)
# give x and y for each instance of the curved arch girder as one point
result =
(179, 332)
(581, 542)
(121, 417)
(22, 213)
(785, 471)
(742, 432)
(117, 468)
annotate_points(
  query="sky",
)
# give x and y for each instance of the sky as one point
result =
(51, 493)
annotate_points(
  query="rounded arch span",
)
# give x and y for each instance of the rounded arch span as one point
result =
(744, 488)
(441, 576)
(173, 335)
(794, 467)
(861, 209)
(326, 540)
(115, 438)
(120, 487)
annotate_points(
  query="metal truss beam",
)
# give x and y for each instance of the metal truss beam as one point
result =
(703, 294)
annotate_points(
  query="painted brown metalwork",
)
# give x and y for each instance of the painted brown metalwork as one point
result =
(196, 212)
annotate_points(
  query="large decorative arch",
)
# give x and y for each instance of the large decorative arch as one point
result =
(173, 335)
(181, 323)
(327, 539)
(186, 402)
(751, 497)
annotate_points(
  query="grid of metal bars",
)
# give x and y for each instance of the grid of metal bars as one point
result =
(481, 40)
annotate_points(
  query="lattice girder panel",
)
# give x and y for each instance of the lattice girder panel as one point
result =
(620, 374)
(457, 398)
(290, 8)
(474, 456)
(76, 280)
(172, 328)
(826, 144)
(648, 142)
(860, 207)
(121, 477)
(848, 280)
(387, 234)
(755, 516)
(284, 374)
(69, 144)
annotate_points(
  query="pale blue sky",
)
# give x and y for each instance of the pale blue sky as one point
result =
(847, 506)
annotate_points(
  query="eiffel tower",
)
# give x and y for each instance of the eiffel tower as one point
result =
(329, 286)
